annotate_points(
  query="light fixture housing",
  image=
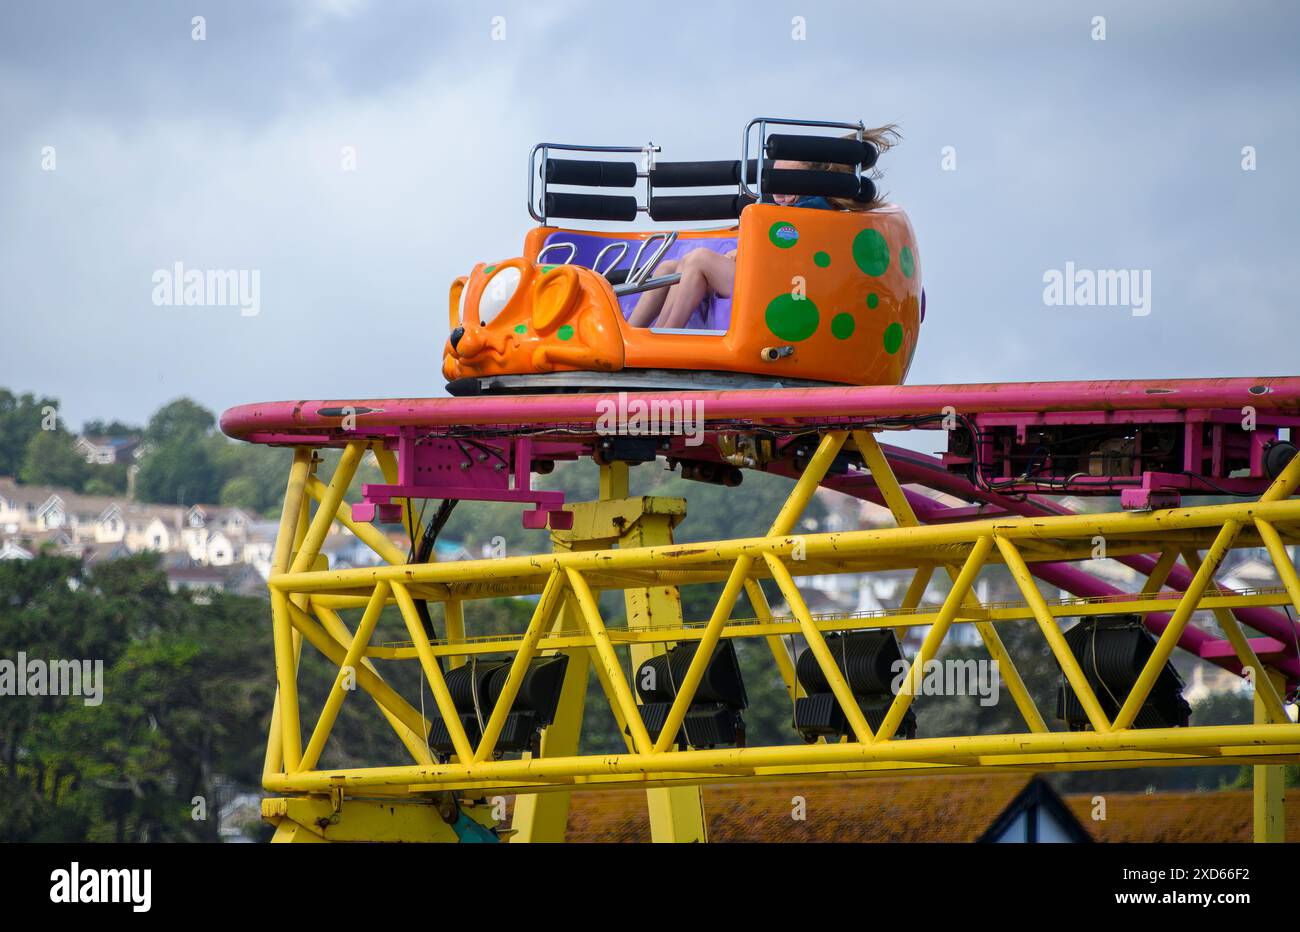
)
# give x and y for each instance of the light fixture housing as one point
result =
(869, 661)
(475, 688)
(714, 716)
(1112, 650)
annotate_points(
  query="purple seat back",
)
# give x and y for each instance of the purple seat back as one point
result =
(714, 313)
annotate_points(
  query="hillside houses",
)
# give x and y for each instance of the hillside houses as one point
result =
(209, 545)
(41, 514)
(202, 546)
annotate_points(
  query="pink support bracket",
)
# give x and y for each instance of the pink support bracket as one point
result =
(477, 470)
(1145, 499)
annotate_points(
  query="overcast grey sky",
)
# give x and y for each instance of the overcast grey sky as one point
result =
(225, 153)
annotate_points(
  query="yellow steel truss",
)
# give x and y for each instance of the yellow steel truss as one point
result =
(626, 544)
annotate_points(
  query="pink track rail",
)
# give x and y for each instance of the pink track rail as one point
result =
(319, 421)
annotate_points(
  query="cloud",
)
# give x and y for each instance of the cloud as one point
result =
(228, 153)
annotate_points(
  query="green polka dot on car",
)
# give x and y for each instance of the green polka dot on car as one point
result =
(791, 318)
(906, 261)
(893, 338)
(871, 252)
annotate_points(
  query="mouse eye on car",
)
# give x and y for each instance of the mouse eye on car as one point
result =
(497, 293)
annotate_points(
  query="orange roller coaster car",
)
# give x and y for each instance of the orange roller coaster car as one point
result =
(820, 296)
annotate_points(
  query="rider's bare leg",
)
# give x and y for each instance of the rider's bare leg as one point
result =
(651, 302)
(703, 270)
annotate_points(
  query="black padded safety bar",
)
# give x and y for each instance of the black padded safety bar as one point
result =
(795, 148)
(695, 174)
(751, 169)
(591, 174)
(703, 174)
(814, 183)
(590, 206)
(698, 207)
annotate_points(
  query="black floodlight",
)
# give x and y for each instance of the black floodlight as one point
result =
(713, 718)
(870, 662)
(1112, 650)
(475, 688)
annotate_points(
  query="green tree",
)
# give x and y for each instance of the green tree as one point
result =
(181, 419)
(187, 691)
(51, 458)
(21, 418)
(180, 471)
(258, 473)
(107, 479)
(242, 491)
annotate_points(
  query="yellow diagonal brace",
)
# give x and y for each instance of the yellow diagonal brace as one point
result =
(1160, 572)
(1262, 683)
(775, 643)
(1174, 630)
(370, 682)
(433, 673)
(916, 588)
(414, 741)
(886, 481)
(785, 521)
(934, 637)
(328, 506)
(1052, 632)
(613, 679)
(607, 687)
(347, 671)
(1006, 666)
(1281, 560)
(821, 653)
(537, 626)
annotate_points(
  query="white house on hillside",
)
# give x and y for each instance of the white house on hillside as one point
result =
(214, 534)
(105, 451)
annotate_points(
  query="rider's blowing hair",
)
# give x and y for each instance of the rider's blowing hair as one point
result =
(883, 138)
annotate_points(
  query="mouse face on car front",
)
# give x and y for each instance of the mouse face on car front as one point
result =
(517, 317)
